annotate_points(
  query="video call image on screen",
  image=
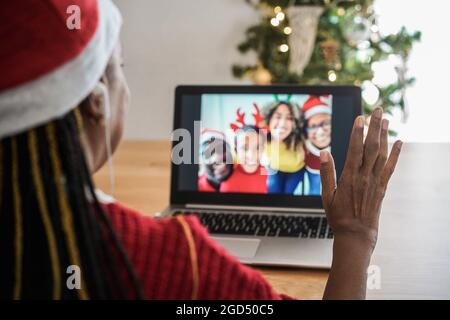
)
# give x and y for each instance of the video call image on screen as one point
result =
(263, 143)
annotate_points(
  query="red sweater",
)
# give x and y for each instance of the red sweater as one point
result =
(174, 258)
(203, 184)
(241, 181)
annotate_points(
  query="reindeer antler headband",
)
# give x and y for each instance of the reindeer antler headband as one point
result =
(240, 119)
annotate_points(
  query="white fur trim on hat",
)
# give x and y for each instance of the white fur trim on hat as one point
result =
(316, 110)
(313, 149)
(56, 93)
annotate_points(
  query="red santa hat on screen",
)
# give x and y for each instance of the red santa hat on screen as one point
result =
(211, 134)
(315, 105)
(49, 65)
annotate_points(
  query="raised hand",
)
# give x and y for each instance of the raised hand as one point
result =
(353, 205)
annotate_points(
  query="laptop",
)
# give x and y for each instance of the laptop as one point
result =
(245, 160)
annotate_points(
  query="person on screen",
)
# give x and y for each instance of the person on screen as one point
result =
(317, 128)
(249, 176)
(284, 150)
(217, 161)
(62, 93)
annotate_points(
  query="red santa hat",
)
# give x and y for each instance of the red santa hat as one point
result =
(49, 62)
(211, 134)
(314, 105)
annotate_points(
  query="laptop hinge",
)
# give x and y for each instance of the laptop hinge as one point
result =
(252, 208)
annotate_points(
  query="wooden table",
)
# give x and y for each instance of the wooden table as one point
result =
(413, 251)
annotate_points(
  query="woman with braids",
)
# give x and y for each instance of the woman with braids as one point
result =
(63, 96)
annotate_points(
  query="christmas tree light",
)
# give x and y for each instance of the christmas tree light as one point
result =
(323, 42)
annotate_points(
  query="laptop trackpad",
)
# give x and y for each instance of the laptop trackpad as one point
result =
(239, 247)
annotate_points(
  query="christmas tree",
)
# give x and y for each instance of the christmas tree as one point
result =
(326, 42)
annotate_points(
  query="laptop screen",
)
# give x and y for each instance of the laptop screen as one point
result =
(258, 144)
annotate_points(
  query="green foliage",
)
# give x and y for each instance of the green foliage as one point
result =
(351, 61)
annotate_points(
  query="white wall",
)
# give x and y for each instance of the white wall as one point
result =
(429, 99)
(174, 42)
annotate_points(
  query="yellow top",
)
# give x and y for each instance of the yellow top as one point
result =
(281, 158)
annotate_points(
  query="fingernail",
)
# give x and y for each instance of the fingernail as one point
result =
(400, 144)
(378, 113)
(385, 124)
(323, 156)
(360, 122)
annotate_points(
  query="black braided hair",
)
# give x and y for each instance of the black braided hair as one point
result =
(50, 219)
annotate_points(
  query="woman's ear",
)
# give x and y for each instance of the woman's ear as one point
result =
(93, 107)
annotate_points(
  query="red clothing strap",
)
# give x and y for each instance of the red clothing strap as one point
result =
(174, 258)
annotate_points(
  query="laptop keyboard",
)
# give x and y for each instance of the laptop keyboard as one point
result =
(264, 225)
